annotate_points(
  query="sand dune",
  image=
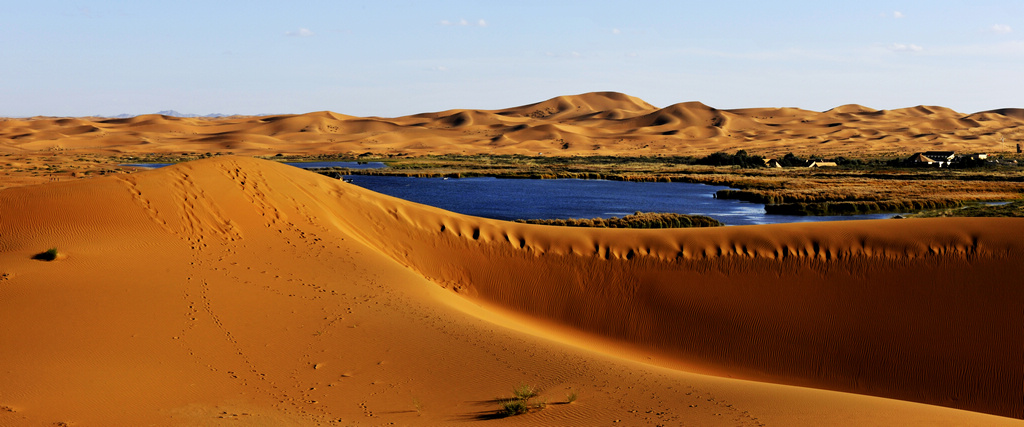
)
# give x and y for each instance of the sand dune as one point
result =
(852, 109)
(579, 105)
(238, 291)
(599, 123)
(1016, 113)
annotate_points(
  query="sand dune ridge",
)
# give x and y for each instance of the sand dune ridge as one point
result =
(590, 123)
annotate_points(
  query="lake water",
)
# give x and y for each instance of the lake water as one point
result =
(510, 199)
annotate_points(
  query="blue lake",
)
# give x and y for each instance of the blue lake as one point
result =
(509, 199)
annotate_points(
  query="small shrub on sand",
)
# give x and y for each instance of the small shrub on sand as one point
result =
(524, 392)
(418, 405)
(571, 397)
(49, 255)
(514, 407)
(521, 403)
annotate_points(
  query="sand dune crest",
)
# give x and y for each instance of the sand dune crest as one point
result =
(594, 123)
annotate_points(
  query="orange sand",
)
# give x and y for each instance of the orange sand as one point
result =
(591, 123)
(234, 291)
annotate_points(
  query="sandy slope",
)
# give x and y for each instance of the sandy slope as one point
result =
(234, 291)
(590, 123)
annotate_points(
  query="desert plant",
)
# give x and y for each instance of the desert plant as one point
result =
(520, 402)
(541, 405)
(514, 407)
(48, 255)
(571, 397)
(524, 392)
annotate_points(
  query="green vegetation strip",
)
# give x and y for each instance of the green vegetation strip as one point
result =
(858, 207)
(1012, 209)
(636, 220)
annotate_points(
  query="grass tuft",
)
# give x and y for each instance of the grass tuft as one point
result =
(48, 255)
(524, 392)
(520, 402)
(513, 407)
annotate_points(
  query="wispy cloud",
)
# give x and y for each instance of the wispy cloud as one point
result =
(464, 23)
(897, 14)
(616, 31)
(905, 47)
(894, 14)
(1000, 29)
(301, 32)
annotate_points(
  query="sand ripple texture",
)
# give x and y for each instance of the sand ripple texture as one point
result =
(235, 290)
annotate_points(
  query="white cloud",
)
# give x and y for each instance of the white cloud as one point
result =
(464, 23)
(905, 47)
(302, 32)
(1000, 29)
(616, 31)
(897, 14)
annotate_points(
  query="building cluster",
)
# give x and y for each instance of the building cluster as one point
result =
(936, 159)
(941, 159)
(775, 163)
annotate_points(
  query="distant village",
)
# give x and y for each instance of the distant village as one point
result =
(938, 159)
(925, 159)
(945, 159)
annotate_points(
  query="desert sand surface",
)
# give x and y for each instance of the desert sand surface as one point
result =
(592, 123)
(237, 291)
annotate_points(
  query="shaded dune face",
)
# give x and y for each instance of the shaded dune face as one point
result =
(589, 123)
(913, 310)
(919, 310)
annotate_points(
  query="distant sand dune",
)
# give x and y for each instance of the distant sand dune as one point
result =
(594, 123)
(1016, 113)
(234, 290)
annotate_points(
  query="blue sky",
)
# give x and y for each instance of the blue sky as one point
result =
(392, 58)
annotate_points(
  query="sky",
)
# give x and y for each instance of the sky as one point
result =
(393, 58)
